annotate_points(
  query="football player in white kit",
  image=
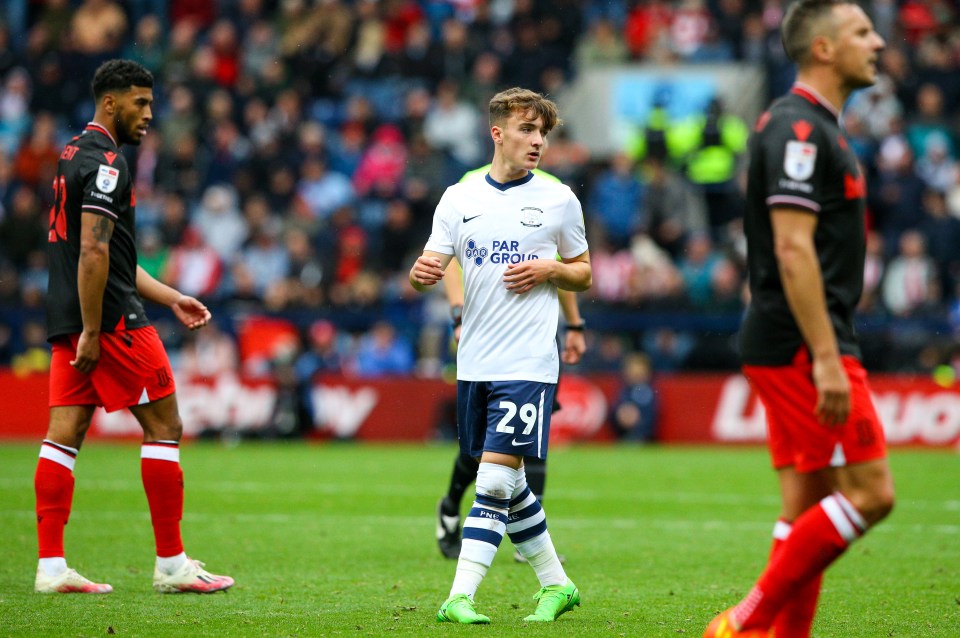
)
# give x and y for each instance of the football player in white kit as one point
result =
(506, 230)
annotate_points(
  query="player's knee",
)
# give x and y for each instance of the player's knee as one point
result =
(496, 481)
(874, 503)
(883, 501)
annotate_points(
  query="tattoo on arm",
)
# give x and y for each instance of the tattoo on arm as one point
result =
(103, 230)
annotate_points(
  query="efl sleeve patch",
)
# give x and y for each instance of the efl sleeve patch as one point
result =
(107, 178)
(799, 160)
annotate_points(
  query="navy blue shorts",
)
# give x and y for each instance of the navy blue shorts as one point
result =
(510, 417)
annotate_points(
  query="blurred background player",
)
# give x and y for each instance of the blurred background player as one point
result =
(105, 352)
(806, 244)
(507, 230)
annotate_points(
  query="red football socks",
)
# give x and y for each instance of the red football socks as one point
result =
(795, 619)
(163, 483)
(53, 485)
(818, 538)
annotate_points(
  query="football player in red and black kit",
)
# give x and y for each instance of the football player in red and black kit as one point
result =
(105, 352)
(805, 251)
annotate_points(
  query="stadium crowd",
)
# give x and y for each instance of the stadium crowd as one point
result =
(300, 146)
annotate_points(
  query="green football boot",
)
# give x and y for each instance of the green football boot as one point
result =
(554, 600)
(460, 609)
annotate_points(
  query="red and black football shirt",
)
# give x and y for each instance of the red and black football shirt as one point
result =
(92, 177)
(800, 159)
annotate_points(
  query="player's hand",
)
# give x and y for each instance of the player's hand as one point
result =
(191, 312)
(88, 353)
(833, 391)
(426, 271)
(575, 344)
(527, 275)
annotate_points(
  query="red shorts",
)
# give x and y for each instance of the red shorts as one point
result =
(133, 370)
(795, 436)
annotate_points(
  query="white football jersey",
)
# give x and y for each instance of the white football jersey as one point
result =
(487, 226)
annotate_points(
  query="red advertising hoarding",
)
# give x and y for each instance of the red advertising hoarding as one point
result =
(692, 408)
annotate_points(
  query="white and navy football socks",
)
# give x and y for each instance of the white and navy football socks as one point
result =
(527, 528)
(484, 527)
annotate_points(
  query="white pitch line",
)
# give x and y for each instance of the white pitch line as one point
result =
(575, 494)
(414, 522)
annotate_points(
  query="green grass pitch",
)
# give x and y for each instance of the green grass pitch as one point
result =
(338, 540)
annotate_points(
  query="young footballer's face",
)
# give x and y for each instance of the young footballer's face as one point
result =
(856, 46)
(132, 114)
(522, 141)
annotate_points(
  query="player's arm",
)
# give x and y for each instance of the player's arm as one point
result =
(191, 312)
(569, 274)
(453, 289)
(793, 233)
(92, 271)
(428, 269)
(575, 344)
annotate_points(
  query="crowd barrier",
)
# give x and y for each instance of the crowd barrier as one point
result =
(693, 408)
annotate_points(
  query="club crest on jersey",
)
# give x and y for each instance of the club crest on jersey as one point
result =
(799, 160)
(107, 178)
(531, 217)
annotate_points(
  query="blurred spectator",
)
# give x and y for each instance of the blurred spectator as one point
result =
(910, 284)
(673, 209)
(383, 162)
(34, 357)
(306, 273)
(152, 253)
(267, 261)
(453, 126)
(35, 164)
(97, 30)
(566, 159)
(194, 266)
(941, 231)
(896, 197)
(24, 229)
(616, 202)
(14, 109)
(689, 26)
(33, 280)
(321, 191)
(208, 353)
(647, 30)
(634, 415)
(873, 271)
(600, 46)
(148, 47)
(696, 267)
(667, 348)
(712, 146)
(220, 222)
(877, 107)
(399, 238)
(226, 52)
(929, 121)
(658, 280)
(181, 167)
(173, 219)
(938, 170)
(382, 352)
(322, 354)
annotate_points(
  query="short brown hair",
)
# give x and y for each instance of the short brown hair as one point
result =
(802, 23)
(530, 103)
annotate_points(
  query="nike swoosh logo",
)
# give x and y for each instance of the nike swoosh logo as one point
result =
(467, 219)
(516, 443)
